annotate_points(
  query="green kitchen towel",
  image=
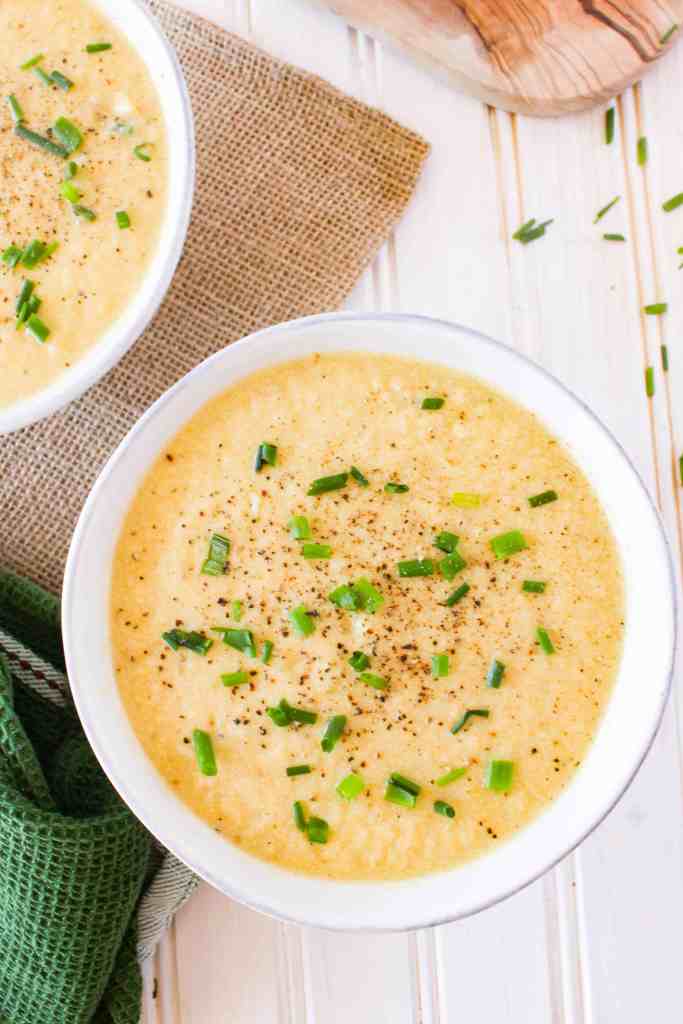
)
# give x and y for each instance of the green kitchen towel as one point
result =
(84, 891)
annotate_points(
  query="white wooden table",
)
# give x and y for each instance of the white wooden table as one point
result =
(600, 939)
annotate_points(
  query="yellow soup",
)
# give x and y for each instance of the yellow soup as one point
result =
(456, 629)
(81, 287)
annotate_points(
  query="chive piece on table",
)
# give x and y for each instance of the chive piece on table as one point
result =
(544, 498)
(612, 237)
(499, 775)
(464, 500)
(300, 528)
(440, 666)
(605, 209)
(507, 544)
(668, 34)
(25, 293)
(470, 713)
(451, 565)
(359, 477)
(40, 141)
(641, 150)
(544, 640)
(534, 586)
(31, 62)
(61, 81)
(317, 830)
(311, 550)
(141, 151)
(302, 621)
(530, 230)
(664, 352)
(204, 753)
(216, 561)
(97, 47)
(457, 595)
(239, 639)
(266, 455)
(69, 191)
(68, 134)
(37, 329)
(395, 795)
(375, 681)
(235, 678)
(122, 219)
(298, 769)
(237, 609)
(656, 308)
(266, 651)
(609, 125)
(394, 488)
(494, 676)
(324, 484)
(192, 640)
(452, 776)
(432, 403)
(649, 381)
(351, 786)
(446, 810)
(446, 541)
(333, 732)
(11, 256)
(673, 203)
(299, 816)
(15, 107)
(359, 661)
(416, 567)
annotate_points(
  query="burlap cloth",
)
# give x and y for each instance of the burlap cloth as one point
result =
(297, 187)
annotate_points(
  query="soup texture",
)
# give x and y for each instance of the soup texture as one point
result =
(84, 170)
(366, 613)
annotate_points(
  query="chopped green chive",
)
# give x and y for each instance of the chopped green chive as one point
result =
(376, 682)
(673, 203)
(656, 308)
(141, 151)
(71, 170)
(649, 381)
(216, 561)
(299, 527)
(15, 107)
(298, 769)
(544, 498)
(69, 191)
(441, 807)
(641, 150)
(359, 661)
(440, 666)
(345, 597)
(239, 639)
(534, 586)
(302, 620)
(235, 678)
(68, 134)
(203, 751)
(33, 254)
(609, 125)
(545, 641)
(284, 714)
(668, 34)
(37, 329)
(464, 500)
(394, 488)
(507, 544)
(351, 786)
(605, 209)
(43, 76)
(433, 403)
(499, 776)
(470, 713)
(416, 567)
(266, 455)
(299, 816)
(446, 541)
(324, 484)
(665, 358)
(451, 565)
(11, 256)
(529, 231)
(121, 128)
(680, 470)
(84, 212)
(494, 676)
(317, 830)
(405, 783)
(61, 81)
(266, 651)
(31, 62)
(452, 776)
(97, 47)
(237, 610)
(311, 550)
(457, 595)
(358, 596)
(25, 293)
(396, 795)
(192, 640)
(122, 219)
(359, 477)
(40, 141)
(614, 238)
(333, 732)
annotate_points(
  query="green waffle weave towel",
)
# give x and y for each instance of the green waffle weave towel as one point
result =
(84, 891)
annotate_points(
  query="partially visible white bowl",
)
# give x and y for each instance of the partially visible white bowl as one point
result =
(134, 20)
(624, 736)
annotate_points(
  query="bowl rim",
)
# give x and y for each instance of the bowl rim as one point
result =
(228, 887)
(100, 358)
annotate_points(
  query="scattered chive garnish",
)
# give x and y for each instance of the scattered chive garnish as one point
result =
(614, 237)
(376, 682)
(673, 203)
(359, 596)
(641, 150)
(298, 769)
(446, 541)
(668, 34)
(311, 550)
(15, 107)
(141, 151)
(266, 651)
(529, 231)
(61, 81)
(25, 293)
(457, 595)
(40, 141)
(656, 308)
(122, 219)
(432, 403)
(499, 776)
(239, 639)
(324, 484)
(11, 256)
(317, 830)
(31, 62)
(68, 134)
(451, 565)
(680, 470)
(470, 713)
(351, 786)
(396, 795)
(394, 488)
(464, 500)
(545, 641)
(84, 212)
(605, 209)
(192, 640)
(446, 810)
(216, 561)
(302, 621)
(299, 816)
(237, 610)
(69, 191)
(43, 76)
(333, 732)
(494, 676)
(609, 125)
(649, 381)
(440, 666)
(36, 328)
(507, 544)
(284, 714)
(544, 498)
(665, 358)
(299, 527)
(203, 751)
(452, 776)
(266, 455)
(359, 477)
(97, 47)
(359, 661)
(71, 170)
(416, 567)
(235, 678)
(534, 586)
(407, 784)
(33, 254)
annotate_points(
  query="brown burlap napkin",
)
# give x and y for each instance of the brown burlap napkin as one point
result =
(297, 187)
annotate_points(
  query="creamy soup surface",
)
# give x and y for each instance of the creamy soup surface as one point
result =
(325, 414)
(84, 285)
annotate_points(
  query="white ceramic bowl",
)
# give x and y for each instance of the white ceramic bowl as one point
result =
(624, 736)
(134, 20)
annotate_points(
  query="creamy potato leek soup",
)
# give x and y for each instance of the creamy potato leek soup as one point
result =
(366, 614)
(84, 170)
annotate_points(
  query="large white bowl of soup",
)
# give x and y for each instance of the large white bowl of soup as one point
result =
(97, 146)
(369, 620)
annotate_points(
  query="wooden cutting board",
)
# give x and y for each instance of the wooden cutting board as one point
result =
(542, 57)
